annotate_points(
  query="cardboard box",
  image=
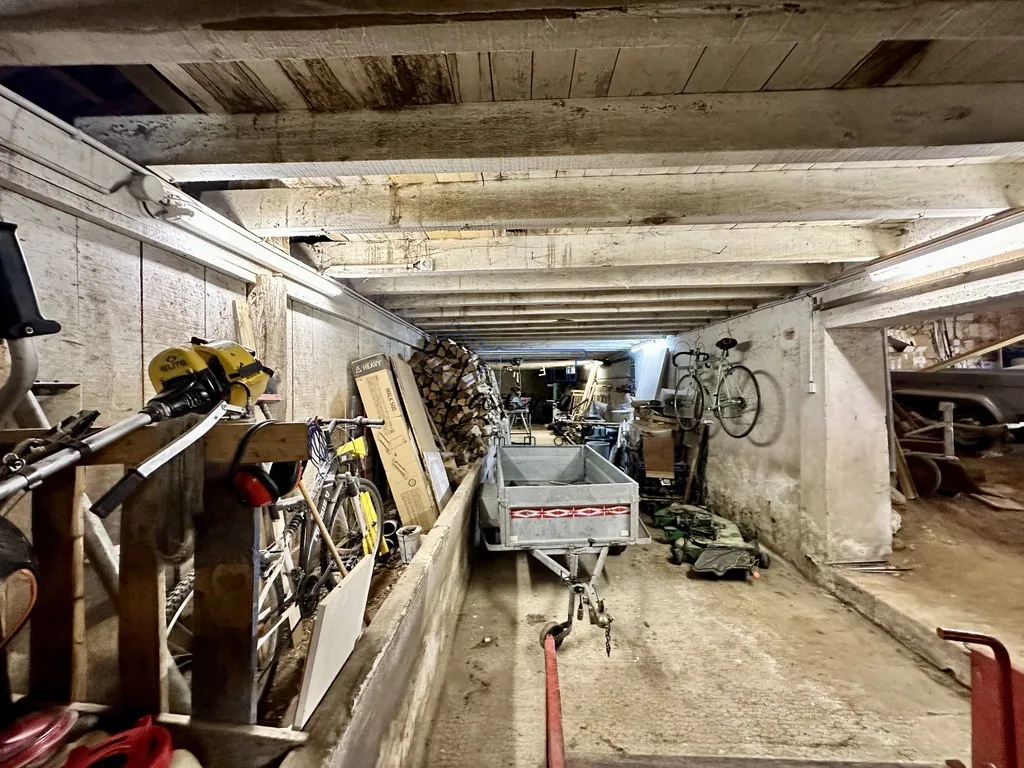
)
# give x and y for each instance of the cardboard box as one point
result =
(422, 432)
(398, 451)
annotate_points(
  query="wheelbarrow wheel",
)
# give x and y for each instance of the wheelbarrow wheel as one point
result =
(926, 474)
(764, 560)
(554, 629)
(616, 550)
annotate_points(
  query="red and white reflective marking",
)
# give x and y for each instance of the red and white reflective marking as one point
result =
(559, 512)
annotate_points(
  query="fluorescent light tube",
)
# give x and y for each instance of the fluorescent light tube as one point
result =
(976, 243)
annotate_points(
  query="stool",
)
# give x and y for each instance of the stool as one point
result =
(523, 420)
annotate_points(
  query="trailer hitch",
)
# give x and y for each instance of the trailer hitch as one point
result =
(581, 592)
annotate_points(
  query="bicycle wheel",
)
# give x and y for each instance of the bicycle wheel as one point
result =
(271, 627)
(688, 401)
(738, 401)
(347, 530)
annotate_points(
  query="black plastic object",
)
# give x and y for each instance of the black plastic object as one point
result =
(19, 311)
(116, 496)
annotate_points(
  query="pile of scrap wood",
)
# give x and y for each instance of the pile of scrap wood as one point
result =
(461, 396)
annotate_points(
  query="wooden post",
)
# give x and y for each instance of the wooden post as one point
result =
(175, 491)
(57, 664)
(268, 307)
(226, 594)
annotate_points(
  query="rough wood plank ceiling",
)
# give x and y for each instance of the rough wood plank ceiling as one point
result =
(374, 82)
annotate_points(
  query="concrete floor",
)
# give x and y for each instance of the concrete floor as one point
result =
(774, 667)
(965, 559)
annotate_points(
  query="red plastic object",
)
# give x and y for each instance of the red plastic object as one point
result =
(988, 712)
(556, 739)
(144, 746)
(35, 736)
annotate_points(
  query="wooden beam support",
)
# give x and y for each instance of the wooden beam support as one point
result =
(268, 307)
(842, 194)
(907, 123)
(139, 31)
(625, 308)
(283, 442)
(561, 321)
(57, 656)
(677, 276)
(226, 599)
(164, 504)
(600, 298)
(660, 246)
(982, 350)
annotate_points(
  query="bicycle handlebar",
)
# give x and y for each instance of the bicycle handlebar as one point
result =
(699, 357)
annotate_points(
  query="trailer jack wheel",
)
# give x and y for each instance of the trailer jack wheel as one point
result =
(557, 631)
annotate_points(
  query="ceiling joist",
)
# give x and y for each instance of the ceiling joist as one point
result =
(616, 307)
(739, 297)
(892, 124)
(677, 276)
(840, 194)
(140, 31)
(778, 245)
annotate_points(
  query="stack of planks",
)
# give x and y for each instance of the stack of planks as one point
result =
(461, 397)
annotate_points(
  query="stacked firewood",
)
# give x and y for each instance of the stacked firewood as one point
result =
(461, 395)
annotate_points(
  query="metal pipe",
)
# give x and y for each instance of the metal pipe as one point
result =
(68, 457)
(24, 368)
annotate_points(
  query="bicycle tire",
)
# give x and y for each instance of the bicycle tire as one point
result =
(689, 415)
(266, 660)
(177, 597)
(751, 404)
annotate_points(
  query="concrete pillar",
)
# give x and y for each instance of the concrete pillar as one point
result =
(849, 479)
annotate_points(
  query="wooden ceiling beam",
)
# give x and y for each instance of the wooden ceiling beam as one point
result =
(734, 297)
(620, 307)
(776, 245)
(894, 124)
(141, 31)
(634, 320)
(841, 194)
(676, 276)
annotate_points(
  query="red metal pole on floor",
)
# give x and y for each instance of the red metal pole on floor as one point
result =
(556, 741)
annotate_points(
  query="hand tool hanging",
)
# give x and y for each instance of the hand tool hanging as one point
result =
(216, 378)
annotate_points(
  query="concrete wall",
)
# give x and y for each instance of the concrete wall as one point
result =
(757, 479)
(812, 476)
(379, 710)
(120, 301)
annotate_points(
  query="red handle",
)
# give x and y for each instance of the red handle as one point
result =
(556, 740)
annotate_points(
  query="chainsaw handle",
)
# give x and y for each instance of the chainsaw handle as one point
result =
(117, 494)
(19, 309)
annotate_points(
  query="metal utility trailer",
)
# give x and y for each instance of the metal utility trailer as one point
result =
(562, 500)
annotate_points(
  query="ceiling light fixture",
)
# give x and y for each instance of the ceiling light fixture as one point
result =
(992, 237)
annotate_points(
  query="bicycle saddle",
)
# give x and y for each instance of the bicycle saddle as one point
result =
(726, 344)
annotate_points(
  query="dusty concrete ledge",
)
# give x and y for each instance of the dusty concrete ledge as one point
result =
(915, 635)
(379, 708)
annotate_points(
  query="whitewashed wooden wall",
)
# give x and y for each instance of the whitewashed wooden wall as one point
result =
(121, 301)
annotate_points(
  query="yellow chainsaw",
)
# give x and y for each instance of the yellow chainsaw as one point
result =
(216, 378)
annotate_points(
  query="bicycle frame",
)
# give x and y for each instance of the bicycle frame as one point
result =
(700, 367)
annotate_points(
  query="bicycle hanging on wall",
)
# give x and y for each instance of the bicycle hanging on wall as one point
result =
(733, 391)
